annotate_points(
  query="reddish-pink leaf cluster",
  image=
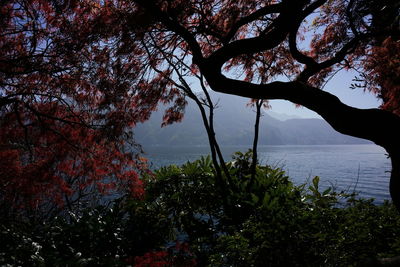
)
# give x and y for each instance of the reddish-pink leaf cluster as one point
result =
(178, 256)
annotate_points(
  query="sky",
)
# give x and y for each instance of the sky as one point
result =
(339, 86)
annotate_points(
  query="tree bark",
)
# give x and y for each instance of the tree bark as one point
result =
(258, 105)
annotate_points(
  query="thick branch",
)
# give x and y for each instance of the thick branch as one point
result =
(300, 57)
(296, 54)
(270, 9)
(277, 33)
(314, 68)
(363, 123)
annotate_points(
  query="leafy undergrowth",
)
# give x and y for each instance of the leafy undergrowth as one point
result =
(187, 220)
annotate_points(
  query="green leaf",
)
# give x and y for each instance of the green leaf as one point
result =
(315, 182)
(254, 198)
(266, 200)
(327, 191)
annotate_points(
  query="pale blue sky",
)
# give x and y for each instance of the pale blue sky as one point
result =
(339, 85)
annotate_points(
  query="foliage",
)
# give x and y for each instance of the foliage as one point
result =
(64, 138)
(92, 238)
(184, 221)
(125, 234)
(273, 222)
(76, 76)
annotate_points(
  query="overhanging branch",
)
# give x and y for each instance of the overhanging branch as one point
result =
(363, 123)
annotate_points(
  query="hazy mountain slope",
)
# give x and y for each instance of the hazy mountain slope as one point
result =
(234, 125)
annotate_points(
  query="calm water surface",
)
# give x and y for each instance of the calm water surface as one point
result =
(363, 168)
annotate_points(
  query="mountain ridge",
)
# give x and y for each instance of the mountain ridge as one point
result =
(234, 125)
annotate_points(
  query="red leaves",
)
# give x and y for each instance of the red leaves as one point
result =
(266, 66)
(47, 159)
(174, 113)
(383, 73)
(152, 259)
(74, 78)
(178, 256)
(194, 69)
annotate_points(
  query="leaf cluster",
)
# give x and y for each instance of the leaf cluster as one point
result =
(185, 219)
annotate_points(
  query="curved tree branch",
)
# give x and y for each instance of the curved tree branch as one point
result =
(363, 123)
(279, 29)
(376, 125)
(270, 9)
(313, 68)
(291, 14)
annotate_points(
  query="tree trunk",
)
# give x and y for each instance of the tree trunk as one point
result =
(395, 179)
(258, 105)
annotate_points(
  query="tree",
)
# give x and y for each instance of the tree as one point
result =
(63, 136)
(258, 104)
(262, 39)
(120, 58)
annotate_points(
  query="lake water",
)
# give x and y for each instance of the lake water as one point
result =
(363, 168)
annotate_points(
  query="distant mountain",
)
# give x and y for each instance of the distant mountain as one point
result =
(281, 116)
(234, 125)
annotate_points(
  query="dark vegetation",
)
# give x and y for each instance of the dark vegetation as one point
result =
(183, 221)
(77, 76)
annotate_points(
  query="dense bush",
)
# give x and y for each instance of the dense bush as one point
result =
(272, 222)
(186, 220)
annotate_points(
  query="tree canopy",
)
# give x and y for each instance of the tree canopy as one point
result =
(79, 74)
